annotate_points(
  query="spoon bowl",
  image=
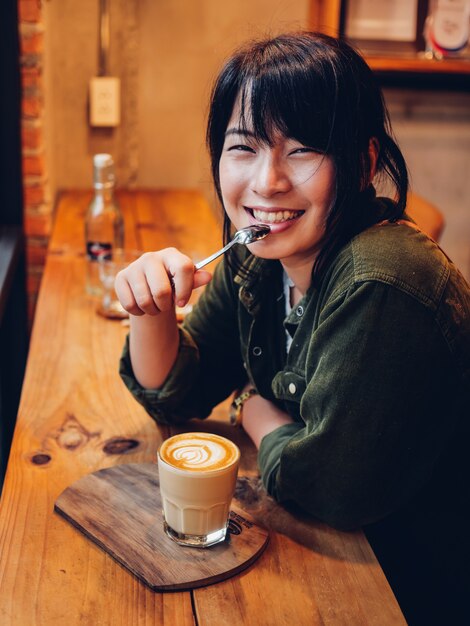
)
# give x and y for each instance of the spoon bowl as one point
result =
(244, 236)
(251, 234)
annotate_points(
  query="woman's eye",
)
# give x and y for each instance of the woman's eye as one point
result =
(303, 150)
(241, 148)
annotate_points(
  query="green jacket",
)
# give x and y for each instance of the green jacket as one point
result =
(377, 378)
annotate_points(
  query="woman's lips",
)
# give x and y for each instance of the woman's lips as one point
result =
(278, 219)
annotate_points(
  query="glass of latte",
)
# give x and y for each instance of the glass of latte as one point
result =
(198, 472)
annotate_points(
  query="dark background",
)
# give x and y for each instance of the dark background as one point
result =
(13, 301)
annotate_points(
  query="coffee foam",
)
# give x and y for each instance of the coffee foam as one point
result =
(199, 452)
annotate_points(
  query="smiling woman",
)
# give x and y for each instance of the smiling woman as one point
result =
(344, 333)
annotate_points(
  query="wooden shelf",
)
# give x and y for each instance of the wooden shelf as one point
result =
(418, 65)
(418, 73)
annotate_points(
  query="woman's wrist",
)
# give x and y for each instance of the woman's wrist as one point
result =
(236, 408)
(261, 417)
(153, 346)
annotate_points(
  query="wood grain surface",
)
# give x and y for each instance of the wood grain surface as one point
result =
(76, 417)
(120, 509)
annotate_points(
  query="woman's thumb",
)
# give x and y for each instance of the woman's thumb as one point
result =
(201, 277)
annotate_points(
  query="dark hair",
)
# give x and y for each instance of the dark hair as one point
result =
(319, 91)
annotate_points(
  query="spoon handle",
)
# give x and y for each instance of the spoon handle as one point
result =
(210, 258)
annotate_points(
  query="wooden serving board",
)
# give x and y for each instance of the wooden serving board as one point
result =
(120, 510)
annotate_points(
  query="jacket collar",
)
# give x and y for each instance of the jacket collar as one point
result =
(254, 276)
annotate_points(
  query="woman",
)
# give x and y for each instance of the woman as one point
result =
(345, 331)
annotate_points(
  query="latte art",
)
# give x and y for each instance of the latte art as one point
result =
(199, 452)
(192, 455)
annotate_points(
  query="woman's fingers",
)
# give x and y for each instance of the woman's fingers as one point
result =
(158, 280)
(133, 291)
(180, 269)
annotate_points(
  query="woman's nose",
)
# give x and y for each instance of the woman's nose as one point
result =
(270, 177)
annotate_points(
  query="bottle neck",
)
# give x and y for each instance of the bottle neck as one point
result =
(104, 191)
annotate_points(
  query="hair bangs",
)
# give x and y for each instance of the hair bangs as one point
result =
(285, 99)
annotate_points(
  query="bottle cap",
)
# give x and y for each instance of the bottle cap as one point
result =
(103, 171)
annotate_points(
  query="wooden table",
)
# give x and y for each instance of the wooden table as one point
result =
(73, 404)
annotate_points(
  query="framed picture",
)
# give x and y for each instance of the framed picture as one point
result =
(383, 26)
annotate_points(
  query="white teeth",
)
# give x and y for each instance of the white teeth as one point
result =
(273, 217)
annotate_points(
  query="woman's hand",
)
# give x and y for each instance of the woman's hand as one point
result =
(260, 417)
(148, 289)
(157, 281)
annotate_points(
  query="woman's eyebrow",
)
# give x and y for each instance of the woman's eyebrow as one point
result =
(239, 131)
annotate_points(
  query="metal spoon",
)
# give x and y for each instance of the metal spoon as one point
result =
(243, 236)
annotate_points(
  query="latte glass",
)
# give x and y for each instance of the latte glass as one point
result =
(198, 472)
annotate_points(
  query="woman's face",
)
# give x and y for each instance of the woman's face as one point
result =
(287, 185)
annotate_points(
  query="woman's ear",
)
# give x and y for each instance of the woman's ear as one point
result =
(373, 157)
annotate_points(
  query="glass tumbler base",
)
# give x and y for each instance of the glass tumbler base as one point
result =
(196, 541)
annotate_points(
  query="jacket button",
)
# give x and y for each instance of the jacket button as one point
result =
(292, 388)
(300, 311)
(257, 351)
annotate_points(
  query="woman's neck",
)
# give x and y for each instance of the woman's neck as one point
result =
(300, 273)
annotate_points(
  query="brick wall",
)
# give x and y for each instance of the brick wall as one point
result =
(37, 201)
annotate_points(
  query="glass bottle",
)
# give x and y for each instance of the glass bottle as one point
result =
(104, 225)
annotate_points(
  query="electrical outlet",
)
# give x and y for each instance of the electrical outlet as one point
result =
(105, 105)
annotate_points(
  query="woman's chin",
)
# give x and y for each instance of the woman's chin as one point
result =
(264, 251)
